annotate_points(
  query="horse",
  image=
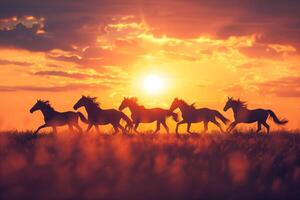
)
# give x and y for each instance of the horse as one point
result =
(98, 116)
(190, 115)
(244, 115)
(140, 114)
(54, 118)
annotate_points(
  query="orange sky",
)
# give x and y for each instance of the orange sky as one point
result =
(203, 51)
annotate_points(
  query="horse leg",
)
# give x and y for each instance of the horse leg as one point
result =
(122, 128)
(39, 128)
(97, 129)
(188, 128)
(165, 126)
(116, 130)
(231, 126)
(78, 127)
(177, 126)
(136, 126)
(89, 128)
(70, 128)
(157, 127)
(267, 126)
(205, 126)
(218, 125)
(54, 130)
(128, 127)
(258, 127)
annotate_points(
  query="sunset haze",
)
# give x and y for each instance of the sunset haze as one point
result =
(199, 51)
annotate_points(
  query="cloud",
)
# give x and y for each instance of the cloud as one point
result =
(269, 51)
(235, 89)
(27, 38)
(10, 62)
(66, 58)
(284, 87)
(248, 65)
(180, 56)
(27, 21)
(62, 88)
(65, 74)
(93, 36)
(112, 33)
(255, 64)
(81, 23)
(112, 77)
(278, 22)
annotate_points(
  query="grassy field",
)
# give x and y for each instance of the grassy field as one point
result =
(91, 166)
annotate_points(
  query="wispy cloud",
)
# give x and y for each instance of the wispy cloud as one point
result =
(13, 62)
(58, 88)
(288, 86)
(76, 75)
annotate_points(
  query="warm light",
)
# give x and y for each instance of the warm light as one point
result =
(153, 84)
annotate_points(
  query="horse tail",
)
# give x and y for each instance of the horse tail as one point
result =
(275, 118)
(174, 115)
(128, 121)
(82, 117)
(221, 117)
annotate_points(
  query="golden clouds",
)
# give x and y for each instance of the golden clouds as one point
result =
(28, 21)
(204, 67)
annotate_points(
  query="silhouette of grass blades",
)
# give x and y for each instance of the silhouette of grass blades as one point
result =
(147, 166)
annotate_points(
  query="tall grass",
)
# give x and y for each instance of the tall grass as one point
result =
(146, 166)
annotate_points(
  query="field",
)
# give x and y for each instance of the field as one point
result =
(146, 166)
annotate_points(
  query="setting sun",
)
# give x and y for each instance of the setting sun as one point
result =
(153, 84)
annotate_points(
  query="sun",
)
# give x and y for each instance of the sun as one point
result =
(153, 84)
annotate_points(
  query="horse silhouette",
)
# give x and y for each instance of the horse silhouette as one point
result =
(244, 115)
(140, 114)
(98, 116)
(190, 115)
(54, 118)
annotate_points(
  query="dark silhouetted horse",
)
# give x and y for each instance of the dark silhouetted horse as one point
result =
(190, 115)
(140, 114)
(243, 115)
(98, 116)
(54, 118)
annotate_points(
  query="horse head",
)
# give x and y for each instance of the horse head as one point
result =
(228, 104)
(39, 105)
(84, 100)
(79, 103)
(127, 102)
(235, 104)
(175, 104)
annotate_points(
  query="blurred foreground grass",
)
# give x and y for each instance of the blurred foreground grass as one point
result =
(146, 166)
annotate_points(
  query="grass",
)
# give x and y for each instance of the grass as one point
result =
(204, 166)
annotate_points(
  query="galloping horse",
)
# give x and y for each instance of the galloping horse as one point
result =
(190, 115)
(243, 115)
(140, 114)
(98, 116)
(53, 118)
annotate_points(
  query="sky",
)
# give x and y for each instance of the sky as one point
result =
(202, 52)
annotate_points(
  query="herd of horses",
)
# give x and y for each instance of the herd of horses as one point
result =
(139, 114)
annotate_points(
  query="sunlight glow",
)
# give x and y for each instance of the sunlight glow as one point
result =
(153, 84)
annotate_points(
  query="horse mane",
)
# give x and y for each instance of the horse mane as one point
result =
(141, 106)
(192, 106)
(241, 104)
(135, 100)
(93, 101)
(47, 104)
